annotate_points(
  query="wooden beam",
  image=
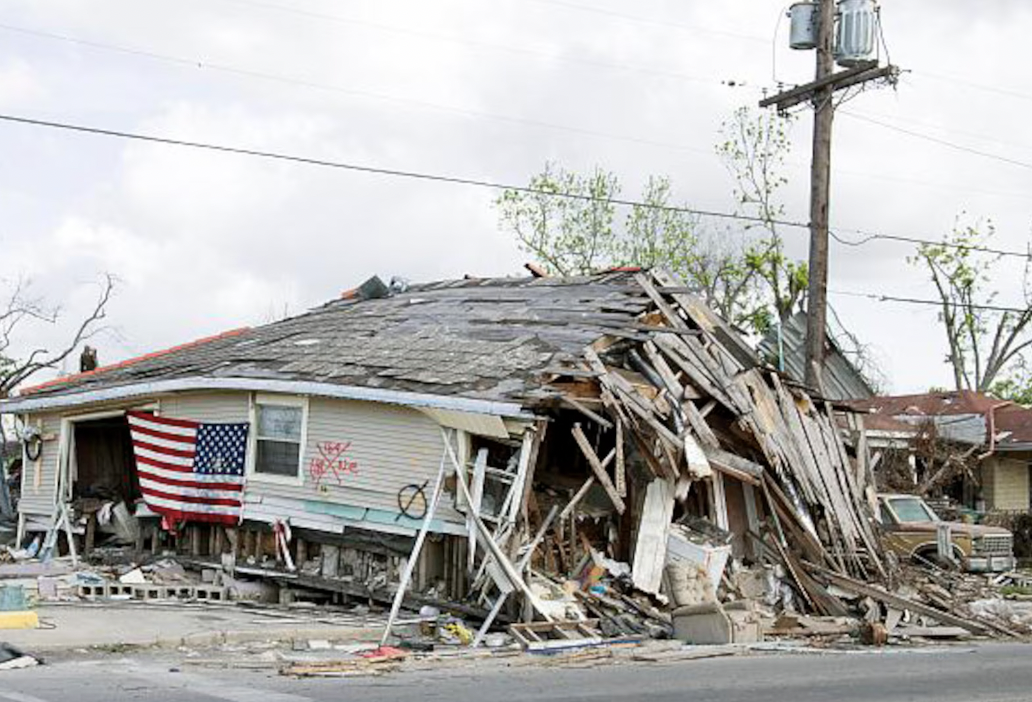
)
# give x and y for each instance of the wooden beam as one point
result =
(593, 416)
(896, 601)
(598, 468)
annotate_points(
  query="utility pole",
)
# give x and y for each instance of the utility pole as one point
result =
(820, 93)
(820, 188)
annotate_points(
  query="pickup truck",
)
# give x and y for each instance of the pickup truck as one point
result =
(910, 529)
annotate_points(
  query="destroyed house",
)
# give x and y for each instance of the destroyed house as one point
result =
(964, 445)
(532, 425)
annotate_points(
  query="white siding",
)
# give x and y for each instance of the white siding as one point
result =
(39, 478)
(392, 447)
(207, 406)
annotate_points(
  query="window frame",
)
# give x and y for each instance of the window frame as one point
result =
(257, 399)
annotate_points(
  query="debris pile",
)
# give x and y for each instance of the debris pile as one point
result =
(721, 501)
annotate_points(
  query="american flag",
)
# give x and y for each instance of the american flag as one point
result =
(190, 471)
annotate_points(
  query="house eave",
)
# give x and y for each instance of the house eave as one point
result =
(30, 403)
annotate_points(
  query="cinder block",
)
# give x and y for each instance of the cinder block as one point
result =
(94, 591)
(215, 593)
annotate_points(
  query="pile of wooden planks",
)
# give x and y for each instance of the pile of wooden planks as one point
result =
(697, 407)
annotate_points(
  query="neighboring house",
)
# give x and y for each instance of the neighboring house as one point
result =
(785, 346)
(975, 448)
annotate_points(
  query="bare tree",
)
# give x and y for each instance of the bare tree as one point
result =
(983, 341)
(20, 309)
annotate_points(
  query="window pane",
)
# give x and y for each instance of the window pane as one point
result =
(277, 458)
(912, 510)
(279, 422)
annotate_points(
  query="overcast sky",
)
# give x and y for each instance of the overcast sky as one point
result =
(206, 242)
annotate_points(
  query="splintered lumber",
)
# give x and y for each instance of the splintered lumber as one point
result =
(621, 467)
(737, 467)
(520, 567)
(598, 468)
(709, 322)
(902, 603)
(650, 548)
(515, 578)
(577, 497)
(590, 414)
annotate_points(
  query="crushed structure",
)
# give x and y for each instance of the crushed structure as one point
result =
(602, 449)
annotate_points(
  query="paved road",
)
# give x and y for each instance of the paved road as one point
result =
(995, 673)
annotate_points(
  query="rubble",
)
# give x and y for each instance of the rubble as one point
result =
(670, 486)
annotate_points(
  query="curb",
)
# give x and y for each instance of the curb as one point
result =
(215, 638)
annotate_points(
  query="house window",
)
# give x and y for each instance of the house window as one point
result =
(279, 435)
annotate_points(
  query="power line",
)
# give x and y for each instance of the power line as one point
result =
(920, 301)
(949, 130)
(483, 183)
(937, 140)
(978, 86)
(248, 73)
(479, 44)
(648, 20)
(871, 236)
(416, 175)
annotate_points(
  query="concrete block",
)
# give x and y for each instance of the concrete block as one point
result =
(703, 624)
(214, 593)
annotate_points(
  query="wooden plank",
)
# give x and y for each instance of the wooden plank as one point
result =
(650, 547)
(875, 593)
(708, 321)
(500, 558)
(477, 490)
(661, 304)
(590, 414)
(620, 472)
(598, 468)
(697, 422)
(737, 467)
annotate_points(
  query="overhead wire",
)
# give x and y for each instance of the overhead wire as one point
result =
(922, 301)
(937, 140)
(478, 182)
(252, 74)
(972, 84)
(480, 44)
(396, 172)
(272, 77)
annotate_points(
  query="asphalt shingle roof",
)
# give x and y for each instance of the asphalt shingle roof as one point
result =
(484, 338)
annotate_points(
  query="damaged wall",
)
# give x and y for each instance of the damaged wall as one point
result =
(356, 458)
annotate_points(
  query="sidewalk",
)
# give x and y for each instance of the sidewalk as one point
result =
(119, 624)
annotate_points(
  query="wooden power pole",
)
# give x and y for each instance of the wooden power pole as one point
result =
(820, 190)
(820, 93)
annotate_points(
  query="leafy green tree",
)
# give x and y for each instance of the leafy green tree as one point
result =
(569, 235)
(753, 150)
(984, 343)
(567, 221)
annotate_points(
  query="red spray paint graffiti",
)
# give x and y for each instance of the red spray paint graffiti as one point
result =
(332, 461)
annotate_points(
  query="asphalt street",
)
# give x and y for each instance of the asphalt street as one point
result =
(995, 672)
